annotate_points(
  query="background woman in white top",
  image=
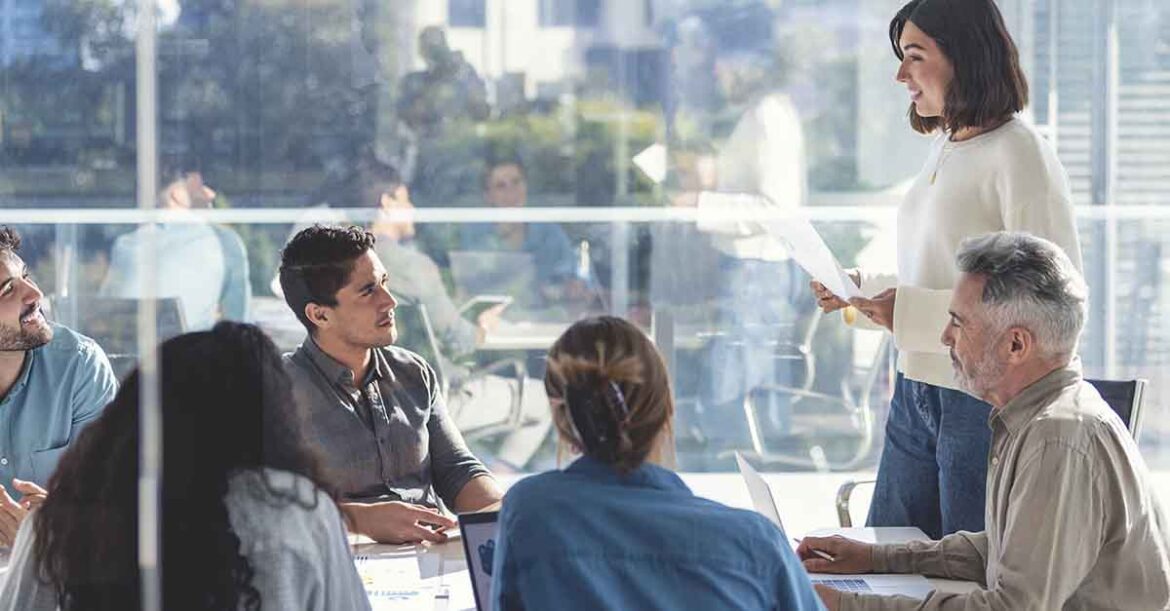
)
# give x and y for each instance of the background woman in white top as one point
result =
(987, 170)
(245, 521)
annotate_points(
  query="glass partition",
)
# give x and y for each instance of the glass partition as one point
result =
(549, 152)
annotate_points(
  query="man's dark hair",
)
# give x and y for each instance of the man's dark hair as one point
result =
(9, 240)
(491, 163)
(373, 178)
(988, 85)
(176, 166)
(317, 262)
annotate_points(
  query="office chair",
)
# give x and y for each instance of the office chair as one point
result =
(112, 322)
(418, 334)
(853, 401)
(1125, 397)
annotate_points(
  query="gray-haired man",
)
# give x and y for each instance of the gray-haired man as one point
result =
(1072, 519)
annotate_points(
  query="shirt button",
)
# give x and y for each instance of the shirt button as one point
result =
(994, 460)
(3, 461)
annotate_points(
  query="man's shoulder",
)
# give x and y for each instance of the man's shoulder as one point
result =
(1076, 418)
(67, 343)
(406, 362)
(1019, 143)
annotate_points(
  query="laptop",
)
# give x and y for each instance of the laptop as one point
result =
(479, 532)
(479, 272)
(915, 586)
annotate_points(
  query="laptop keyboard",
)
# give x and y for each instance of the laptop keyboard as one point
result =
(846, 585)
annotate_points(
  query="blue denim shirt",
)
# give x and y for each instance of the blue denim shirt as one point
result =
(555, 258)
(588, 538)
(63, 386)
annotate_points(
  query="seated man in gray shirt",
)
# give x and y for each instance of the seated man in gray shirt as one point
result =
(1072, 518)
(374, 410)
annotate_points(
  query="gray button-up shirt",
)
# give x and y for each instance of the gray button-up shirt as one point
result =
(413, 450)
(1072, 519)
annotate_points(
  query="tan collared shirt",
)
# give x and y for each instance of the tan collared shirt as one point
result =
(1072, 520)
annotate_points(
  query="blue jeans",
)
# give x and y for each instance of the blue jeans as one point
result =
(933, 471)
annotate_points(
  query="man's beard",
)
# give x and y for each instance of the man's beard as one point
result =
(978, 377)
(21, 339)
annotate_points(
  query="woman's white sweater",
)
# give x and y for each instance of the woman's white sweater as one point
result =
(1005, 179)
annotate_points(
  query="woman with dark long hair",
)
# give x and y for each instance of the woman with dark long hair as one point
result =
(618, 529)
(988, 170)
(246, 519)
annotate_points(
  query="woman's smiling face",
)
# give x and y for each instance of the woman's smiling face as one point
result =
(926, 71)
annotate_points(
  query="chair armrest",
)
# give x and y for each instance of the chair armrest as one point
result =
(843, 495)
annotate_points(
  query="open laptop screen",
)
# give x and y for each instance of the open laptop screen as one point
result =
(479, 532)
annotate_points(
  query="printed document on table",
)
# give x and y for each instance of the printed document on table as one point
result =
(796, 233)
(395, 582)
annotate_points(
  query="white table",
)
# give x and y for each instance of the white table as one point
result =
(443, 568)
(523, 335)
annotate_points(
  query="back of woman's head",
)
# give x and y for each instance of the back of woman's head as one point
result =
(226, 406)
(988, 84)
(609, 391)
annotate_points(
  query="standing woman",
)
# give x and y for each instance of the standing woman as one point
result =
(988, 170)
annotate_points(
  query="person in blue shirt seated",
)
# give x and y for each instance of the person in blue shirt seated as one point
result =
(617, 529)
(53, 382)
(505, 185)
(203, 264)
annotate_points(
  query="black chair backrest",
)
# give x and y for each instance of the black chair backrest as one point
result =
(1125, 397)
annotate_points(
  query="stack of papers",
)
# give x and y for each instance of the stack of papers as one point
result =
(395, 582)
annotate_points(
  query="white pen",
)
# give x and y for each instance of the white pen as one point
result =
(822, 554)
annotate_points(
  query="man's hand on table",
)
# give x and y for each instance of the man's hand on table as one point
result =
(849, 556)
(397, 522)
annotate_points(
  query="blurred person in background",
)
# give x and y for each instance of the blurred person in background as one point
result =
(558, 277)
(758, 169)
(203, 264)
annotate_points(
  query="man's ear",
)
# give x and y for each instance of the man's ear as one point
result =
(318, 314)
(1021, 344)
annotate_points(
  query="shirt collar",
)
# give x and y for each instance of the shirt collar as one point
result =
(338, 373)
(646, 476)
(1024, 406)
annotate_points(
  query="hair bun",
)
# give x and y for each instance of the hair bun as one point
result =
(599, 412)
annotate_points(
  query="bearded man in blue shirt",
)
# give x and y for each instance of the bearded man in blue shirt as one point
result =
(53, 381)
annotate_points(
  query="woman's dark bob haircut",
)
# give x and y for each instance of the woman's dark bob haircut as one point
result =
(988, 85)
